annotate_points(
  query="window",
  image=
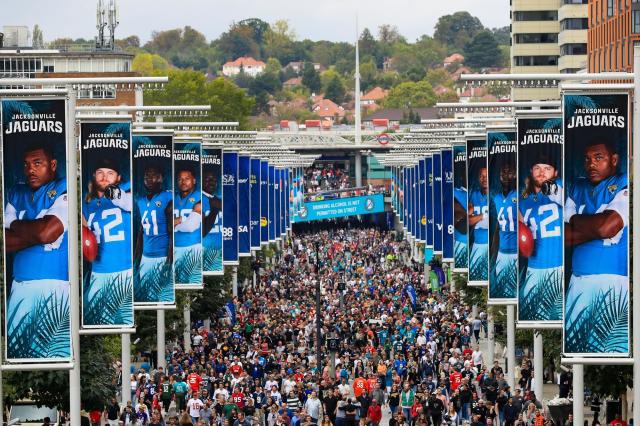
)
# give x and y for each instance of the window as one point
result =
(97, 92)
(575, 1)
(635, 17)
(573, 49)
(525, 38)
(610, 8)
(574, 24)
(48, 68)
(536, 15)
(535, 61)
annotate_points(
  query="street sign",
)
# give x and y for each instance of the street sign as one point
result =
(383, 138)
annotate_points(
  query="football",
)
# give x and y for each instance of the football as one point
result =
(525, 240)
(89, 245)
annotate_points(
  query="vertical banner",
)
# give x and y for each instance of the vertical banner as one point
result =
(428, 247)
(460, 211)
(187, 214)
(411, 185)
(152, 179)
(230, 208)
(34, 191)
(540, 207)
(447, 205)
(285, 200)
(254, 189)
(278, 191)
(212, 201)
(404, 174)
(244, 205)
(596, 216)
(272, 203)
(478, 211)
(437, 203)
(107, 259)
(503, 216)
(401, 196)
(264, 202)
(422, 208)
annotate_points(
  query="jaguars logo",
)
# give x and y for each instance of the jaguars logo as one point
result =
(192, 200)
(514, 199)
(158, 203)
(612, 188)
(52, 193)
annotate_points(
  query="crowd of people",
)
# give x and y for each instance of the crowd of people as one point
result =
(407, 351)
(327, 178)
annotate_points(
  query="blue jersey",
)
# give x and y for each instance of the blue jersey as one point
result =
(213, 239)
(506, 210)
(111, 224)
(480, 206)
(182, 207)
(41, 261)
(544, 217)
(460, 195)
(153, 219)
(608, 256)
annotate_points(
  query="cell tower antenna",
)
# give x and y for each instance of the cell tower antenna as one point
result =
(113, 23)
(100, 24)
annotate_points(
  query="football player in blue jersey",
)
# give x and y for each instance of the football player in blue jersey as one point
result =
(505, 237)
(35, 233)
(596, 219)
(540, 209)
(154, 244)
(460, 227)
(478, 211)
(107, 212)
(187, 221)
(211, 226)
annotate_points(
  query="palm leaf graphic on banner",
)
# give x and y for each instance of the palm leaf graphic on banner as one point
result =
(213, 260)
(601, 327)
(499, 136)
(461, 256)
(155, 285)
(14, 107)
(553, 123)
(118, 128)
(110, 305)
(44, 332)
(189, 268)
(544, 301)
(478, 267)
(505, 284)
(574, 102)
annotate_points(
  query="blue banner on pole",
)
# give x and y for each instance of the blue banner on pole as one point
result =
(244, 206)
(212, 220)
(437, 203)
(254, 189)
(230, 208)
(447, 205)
(264, 202)
(272, 203)
(429, 199)
(460, 212)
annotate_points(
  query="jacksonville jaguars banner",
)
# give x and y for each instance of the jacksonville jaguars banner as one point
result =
(254, 217)
(278, 194)
(422, 208)
(230, 208)
(286, 222)
(212, 220)
(244, 205)
(106, 207)
(540, 207)
(272, 203)
(478, 208)
(152, 178)
(437, 203)
(401, 196)
(428, 195)
(188, 210)
(404, 215)
(503, 215)
(447, 205)
(264, 202)
(596, 224)
(460, 212)
(34, 191)
(410, 193)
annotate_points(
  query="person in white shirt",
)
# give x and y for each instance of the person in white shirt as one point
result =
(195, 404)
(476, 357)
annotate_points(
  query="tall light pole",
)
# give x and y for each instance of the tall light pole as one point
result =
(318, 317)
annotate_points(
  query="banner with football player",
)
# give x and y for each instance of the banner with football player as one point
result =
(447, 205)
(596, 224)
(264, 202)
(152, 178)
(212, 221)
(107, 224)
(254, 189)
(503, 215)
(409, 196)
(188, 209)
(244, 205)
(272, 203)
(478, 211)
(286, 220)
(34, 183)
(277, 187)
(428, 247)
(422, 202)
(437, 203)
(230, 208)
(540, 213)
(460, 212)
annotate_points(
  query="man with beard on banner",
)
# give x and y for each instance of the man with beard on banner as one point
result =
(187, 228)
(212, 223)
(154, 245)
(478, 221)
(107, 212)
(460, 211)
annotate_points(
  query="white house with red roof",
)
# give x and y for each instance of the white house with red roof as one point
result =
(247, 64)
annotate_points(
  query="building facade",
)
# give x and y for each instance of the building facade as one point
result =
(614, 27)
(547, 36)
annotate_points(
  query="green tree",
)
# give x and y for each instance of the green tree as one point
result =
(148, 64)
(437, 77)
(457, 30)
(368, 75)
(367, 43)
(335, 90)
(483, 51)
(262, 87)
(311, 78)
(238, 41)
(37, 37)
(389, 34)
(279, 42)
(130, 43)
(410, 94)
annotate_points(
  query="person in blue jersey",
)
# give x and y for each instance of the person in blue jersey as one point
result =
(596, 217)
(154, 244)
(460, 225)
(187, 221)
(540, 209)
(505, 236)
(212, 222)
(35, 233)
(478, 219)
(106, 211)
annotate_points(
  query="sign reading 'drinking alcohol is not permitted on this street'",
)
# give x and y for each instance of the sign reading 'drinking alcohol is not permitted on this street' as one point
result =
(341, 207)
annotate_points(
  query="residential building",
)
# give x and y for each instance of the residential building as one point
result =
(245, 64)
(373, 97)
(298, 66)
(614, 27)
(396, 115)
(292, 83)
(572, 38)
(456, 58)
(328, 110)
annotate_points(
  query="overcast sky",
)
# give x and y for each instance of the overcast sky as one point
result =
(318, 20)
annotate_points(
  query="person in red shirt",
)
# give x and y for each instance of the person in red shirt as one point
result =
(455, 378)
(618, 421)
(194, 380)
(372, 381)
(238, 397)
(374, 414)
(359, 385)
